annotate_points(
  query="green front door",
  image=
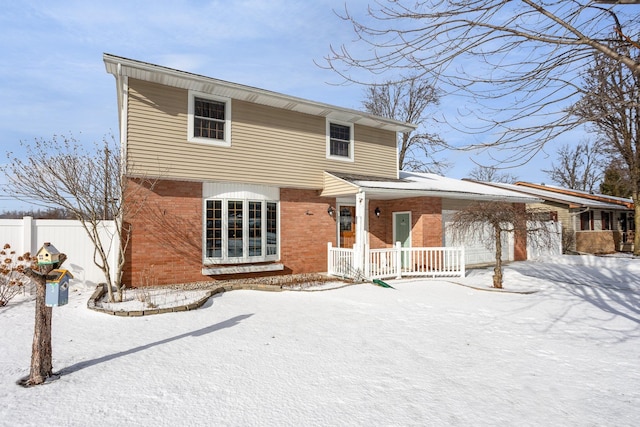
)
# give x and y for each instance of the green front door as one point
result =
(402, 232)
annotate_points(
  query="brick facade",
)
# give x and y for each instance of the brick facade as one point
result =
(520, 236)
(596, 242)
(305, 230)
(426, 218)
(167, 236)
(166, 242)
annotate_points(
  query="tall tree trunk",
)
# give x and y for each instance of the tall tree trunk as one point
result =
(41, 354)
(41, 365)
(636, 207)
(497, 270)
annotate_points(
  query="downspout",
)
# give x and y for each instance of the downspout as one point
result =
(574, 214)
(122, 89)
(122, 95)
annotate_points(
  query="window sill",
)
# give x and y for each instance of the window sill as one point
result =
(340, 158)
(210, 141)
(239, 269)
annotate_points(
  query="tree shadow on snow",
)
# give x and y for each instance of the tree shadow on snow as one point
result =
(198, 333)
(612, 290)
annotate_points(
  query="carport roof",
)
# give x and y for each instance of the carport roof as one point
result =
(572, 198)
(415, 184)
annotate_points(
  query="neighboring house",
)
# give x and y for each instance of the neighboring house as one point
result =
(254, 182)
(595, 223)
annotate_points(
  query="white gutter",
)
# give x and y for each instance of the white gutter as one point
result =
(122, 90)
(448, 194)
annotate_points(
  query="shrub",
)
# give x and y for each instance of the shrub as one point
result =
(12, 277)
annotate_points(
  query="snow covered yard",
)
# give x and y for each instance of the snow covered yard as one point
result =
(424, 353)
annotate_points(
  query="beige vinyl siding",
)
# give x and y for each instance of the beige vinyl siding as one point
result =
(564, 217)
(268, 145)
(337, 187)
(375, 152)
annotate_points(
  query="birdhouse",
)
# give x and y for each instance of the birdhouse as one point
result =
(57, 288)
(48, 254)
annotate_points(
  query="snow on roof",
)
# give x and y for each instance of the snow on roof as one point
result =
(628, 202)
(427, 184)
(560, 197)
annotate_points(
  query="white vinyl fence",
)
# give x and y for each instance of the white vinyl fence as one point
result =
(68, 236)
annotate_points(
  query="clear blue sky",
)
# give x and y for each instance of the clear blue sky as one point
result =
(53, 80)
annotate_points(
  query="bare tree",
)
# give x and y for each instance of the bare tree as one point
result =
(491, 174)
(519, 62)
(501, 218)
(578, 168)
(611, 103)
(86, 182)
(408, 101)
(49, 213)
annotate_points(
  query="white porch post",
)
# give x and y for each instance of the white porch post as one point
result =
(360, 242)
(398, 262)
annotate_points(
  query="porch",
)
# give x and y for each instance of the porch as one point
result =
(395, 262)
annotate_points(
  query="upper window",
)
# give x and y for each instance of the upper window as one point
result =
(340, 141)
(209, 119)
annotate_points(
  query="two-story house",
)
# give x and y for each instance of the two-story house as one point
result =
(249, 181)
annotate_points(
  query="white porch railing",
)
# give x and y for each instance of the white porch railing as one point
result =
(341, 262)
(396, 262)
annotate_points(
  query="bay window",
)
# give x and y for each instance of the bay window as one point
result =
(240, 231)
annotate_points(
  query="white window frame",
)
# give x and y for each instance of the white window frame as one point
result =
(351, 141)
(246, 194)
(226, 142)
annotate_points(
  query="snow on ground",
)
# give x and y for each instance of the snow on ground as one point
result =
(425, 353)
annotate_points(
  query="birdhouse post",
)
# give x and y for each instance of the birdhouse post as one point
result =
(52, 288)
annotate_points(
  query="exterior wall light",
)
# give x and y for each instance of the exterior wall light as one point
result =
(377, 212)
(330, 211)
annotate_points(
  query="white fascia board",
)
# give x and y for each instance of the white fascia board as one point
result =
(403, 193)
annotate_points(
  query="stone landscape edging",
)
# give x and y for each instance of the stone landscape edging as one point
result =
(101, 290)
